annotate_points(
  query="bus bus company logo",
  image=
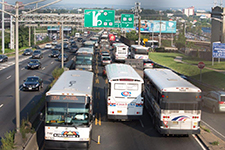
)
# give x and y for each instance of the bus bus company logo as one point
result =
(69, 134)
(180, 118)
(126, 94)
(140, 57)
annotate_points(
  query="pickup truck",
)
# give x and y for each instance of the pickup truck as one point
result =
(214, 100)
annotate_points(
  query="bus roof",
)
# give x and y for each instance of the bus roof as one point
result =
(85, 50)
(139, 47)
(73, 82)
(121, 71)
(168, 81)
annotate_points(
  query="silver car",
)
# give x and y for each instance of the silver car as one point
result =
(214, 100)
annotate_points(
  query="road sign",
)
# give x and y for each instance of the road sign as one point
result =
(127, 20)
(201, 65)
(99, 18)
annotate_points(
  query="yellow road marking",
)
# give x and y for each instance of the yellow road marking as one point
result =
(106, 81)
(97, 81)
(96, 120)
(99, 119)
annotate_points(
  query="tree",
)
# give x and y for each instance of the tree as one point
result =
(180, 42)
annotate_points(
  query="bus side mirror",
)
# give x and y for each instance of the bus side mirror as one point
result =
(41, 116)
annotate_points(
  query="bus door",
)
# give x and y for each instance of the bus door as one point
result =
(121, 52)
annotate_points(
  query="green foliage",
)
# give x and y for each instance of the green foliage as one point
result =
(215, 143)
(132, 36)
(205, 129)
(25, 128)
(57, 72)
(180, 42)
(8, 141)
(45, 40)
(166, 43)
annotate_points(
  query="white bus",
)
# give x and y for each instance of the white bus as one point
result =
(151, 44)
(139, 52)
(68, 110)
(173, 102)
(124, 100)
(120, 51)
(84, 59)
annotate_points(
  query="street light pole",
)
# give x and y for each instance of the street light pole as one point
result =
(160, 29)
(3, 28)
(62, 58)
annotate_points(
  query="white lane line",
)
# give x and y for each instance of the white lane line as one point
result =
(213, 128)
(22, 68)
(8, 77)
(203, 147)
(141, 123)
(52, 62)
(1, 105)
(43, 68)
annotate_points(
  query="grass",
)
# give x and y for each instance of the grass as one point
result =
(215, 143)
(208, 76)
(205, 129)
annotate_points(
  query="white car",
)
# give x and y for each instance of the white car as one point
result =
(48, 46)
(54, 42)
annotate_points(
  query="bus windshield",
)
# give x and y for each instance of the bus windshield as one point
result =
(58, 113)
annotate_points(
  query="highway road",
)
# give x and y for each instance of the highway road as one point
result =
(28, 99)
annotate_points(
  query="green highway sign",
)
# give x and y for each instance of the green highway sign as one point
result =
(117, 24)
(99, 18)
(127, 20)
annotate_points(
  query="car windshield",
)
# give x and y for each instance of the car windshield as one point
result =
(33, 62)
(37, 52)
(105, 58)
(32, 79)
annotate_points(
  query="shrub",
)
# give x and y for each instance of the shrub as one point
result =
(57, 72)
(8, 141)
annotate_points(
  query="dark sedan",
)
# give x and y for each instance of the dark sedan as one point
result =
(58, 47)
(65, 57)
(37, 54)
(28, 52)
(55, 53)
(80, 39)
(33, 83)
(73, 48)
(34, 64)
(3, 58)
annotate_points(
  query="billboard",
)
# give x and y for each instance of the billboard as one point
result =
(149, 26)
(218, 50)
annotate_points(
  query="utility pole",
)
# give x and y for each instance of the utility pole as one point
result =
(3, 27)
(136, 11)
(16, 16)
(160, 28)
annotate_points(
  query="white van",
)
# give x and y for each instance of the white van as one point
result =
(77, 35)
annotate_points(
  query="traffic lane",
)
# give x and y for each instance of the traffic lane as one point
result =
(214, 122)
(130, 134)
(27, 99)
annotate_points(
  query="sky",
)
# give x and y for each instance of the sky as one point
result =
(126, 4)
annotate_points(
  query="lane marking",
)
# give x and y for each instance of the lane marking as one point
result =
(52, 62)
(1, 105)
(22, 68)
(8, 77)
(198, 142)
(141, 123)
(213, 129)
(99, 119)
(43, 68)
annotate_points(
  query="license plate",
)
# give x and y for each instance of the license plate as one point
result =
(175, 122)
(119, 111)
(30, 88)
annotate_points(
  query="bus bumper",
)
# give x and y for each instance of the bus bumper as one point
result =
(49, 144)
(124, 117)
(173, 131)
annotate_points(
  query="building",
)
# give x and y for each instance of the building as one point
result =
(189, 11)
(218, 24)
